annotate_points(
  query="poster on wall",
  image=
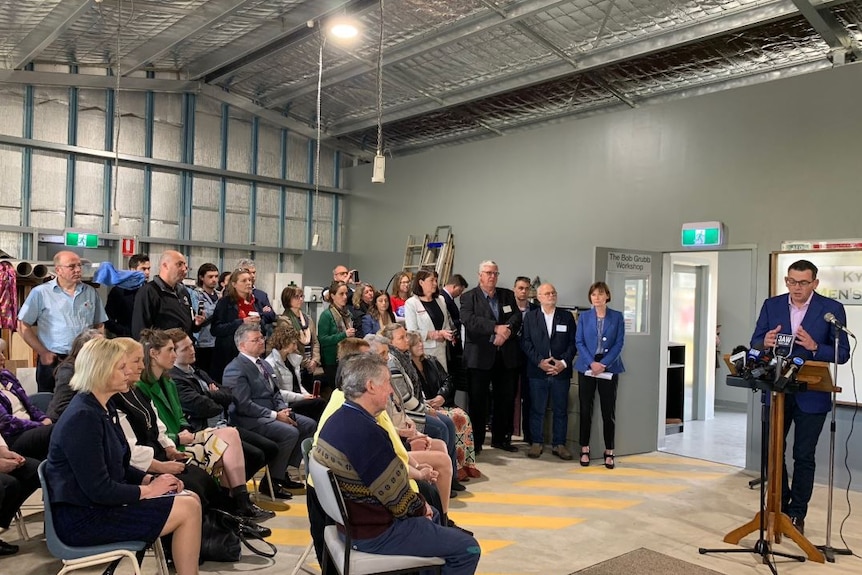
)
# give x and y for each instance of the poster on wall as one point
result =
(840, 275)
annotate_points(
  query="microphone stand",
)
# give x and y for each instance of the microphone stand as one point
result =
(828, 551)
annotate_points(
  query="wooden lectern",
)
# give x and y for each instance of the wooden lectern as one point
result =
(817, 377)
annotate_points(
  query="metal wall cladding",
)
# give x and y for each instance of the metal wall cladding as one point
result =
(208, 132)
(236, 228)
(327, 166)
(199, 256)
(89, 188)
(239, 144)
(297, 204)
(269, 154)
(206, 193)
(238, 195)
(205, 225)
(268, 200)
(133, 133)
(10, 242)
(297, 158)
(167, 127)
(12, 111)
(11, 162)
(231, 257)
(48, 190)
(266, 231)
(165, 205)
(91, 119)
(51, 115)
(130, 191)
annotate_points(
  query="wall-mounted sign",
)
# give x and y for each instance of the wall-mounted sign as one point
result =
(128, 247)
(703, 235)
(81, 240)
(817, 245)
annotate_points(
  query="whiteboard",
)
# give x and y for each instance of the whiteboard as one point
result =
(840, 275)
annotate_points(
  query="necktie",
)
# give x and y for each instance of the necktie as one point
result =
(263, 372)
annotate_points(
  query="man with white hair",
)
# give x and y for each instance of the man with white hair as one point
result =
(387, 516)
(491, 321)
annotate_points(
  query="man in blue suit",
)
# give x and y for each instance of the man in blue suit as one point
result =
(548, 342)
(800, 315)
(258, 407)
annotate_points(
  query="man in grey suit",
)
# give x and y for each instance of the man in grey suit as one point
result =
(258, 407)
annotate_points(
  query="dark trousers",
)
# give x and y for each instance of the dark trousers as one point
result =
(796, 494)
(15, 487)
(526, 401)
(257, 451)
(557, 388)
(312, 408)
(32, 442)
(45, 374)
(480, 389)
(607, 399)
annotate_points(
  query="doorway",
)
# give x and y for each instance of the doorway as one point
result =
(709, 309)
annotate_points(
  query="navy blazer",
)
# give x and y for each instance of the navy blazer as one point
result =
(613, 339)
(226, 320)
(538, 346)
(88, 458)
(254, 398)
(776, 311)
(479, 323)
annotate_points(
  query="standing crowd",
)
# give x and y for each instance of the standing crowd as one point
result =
(168, 399)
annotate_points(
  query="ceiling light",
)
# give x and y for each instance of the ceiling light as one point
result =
(344, 29)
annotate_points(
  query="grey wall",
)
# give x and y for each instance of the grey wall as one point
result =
(774, 161)
(736, 307)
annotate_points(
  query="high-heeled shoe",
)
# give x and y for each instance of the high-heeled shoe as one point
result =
(610, 456)
(585, 458)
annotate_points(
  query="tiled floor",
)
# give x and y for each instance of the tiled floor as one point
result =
(721, 439)
(553, 517)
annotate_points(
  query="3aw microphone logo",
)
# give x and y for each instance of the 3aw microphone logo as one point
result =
(784, 340)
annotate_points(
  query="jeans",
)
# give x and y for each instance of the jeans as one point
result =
(421, 537)
(558, 389)
(441, 427)
(796, 494)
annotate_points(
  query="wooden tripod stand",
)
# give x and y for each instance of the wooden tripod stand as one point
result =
(817, 377)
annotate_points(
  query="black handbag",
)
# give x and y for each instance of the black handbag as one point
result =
(238, 530)
(219, 539)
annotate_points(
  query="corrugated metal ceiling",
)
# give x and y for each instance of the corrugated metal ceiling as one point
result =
(454, 70)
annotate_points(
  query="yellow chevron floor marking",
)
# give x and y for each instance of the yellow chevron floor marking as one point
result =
(602, 485)
(491, 545)
(515, 521)
(670, 460)
(297, 537)
(551, 501)
(651, 473)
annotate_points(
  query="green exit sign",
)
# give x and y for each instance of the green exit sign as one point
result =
(703, 234)
(82, 240)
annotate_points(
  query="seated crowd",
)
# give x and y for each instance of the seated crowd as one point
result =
(192, 392)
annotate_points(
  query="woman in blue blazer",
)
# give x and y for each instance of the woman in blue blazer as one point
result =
(599, 338)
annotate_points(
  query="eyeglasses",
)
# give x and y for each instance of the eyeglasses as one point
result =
(72, 266)
(487, 273)
(790, 282)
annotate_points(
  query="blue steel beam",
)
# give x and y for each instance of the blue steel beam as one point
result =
(149, 119)
(309, 232)
(222, 204)
(252, 205)
(282, 208)
(72, 140)
(336, 201)
(27, 167)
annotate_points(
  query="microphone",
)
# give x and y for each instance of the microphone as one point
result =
(830, 317)
(795, 365)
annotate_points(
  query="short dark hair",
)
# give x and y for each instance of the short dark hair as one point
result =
(423, 275)
(457, 280)
(804, 266)
(600, 286)
(288, 294)
(203, 270)
(221, 276)
(523, 279)
(137, 260)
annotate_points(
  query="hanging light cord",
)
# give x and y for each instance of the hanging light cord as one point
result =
(380, 86)
(117, 110)
(317, 145)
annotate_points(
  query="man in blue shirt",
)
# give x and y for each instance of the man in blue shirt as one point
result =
(62, 308)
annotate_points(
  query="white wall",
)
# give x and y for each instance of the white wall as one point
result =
(775, 161)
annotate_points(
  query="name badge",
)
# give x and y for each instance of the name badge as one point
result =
(562, 328)
(507, 309)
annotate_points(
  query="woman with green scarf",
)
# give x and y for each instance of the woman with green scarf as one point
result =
(218, 450)
(335, 323)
